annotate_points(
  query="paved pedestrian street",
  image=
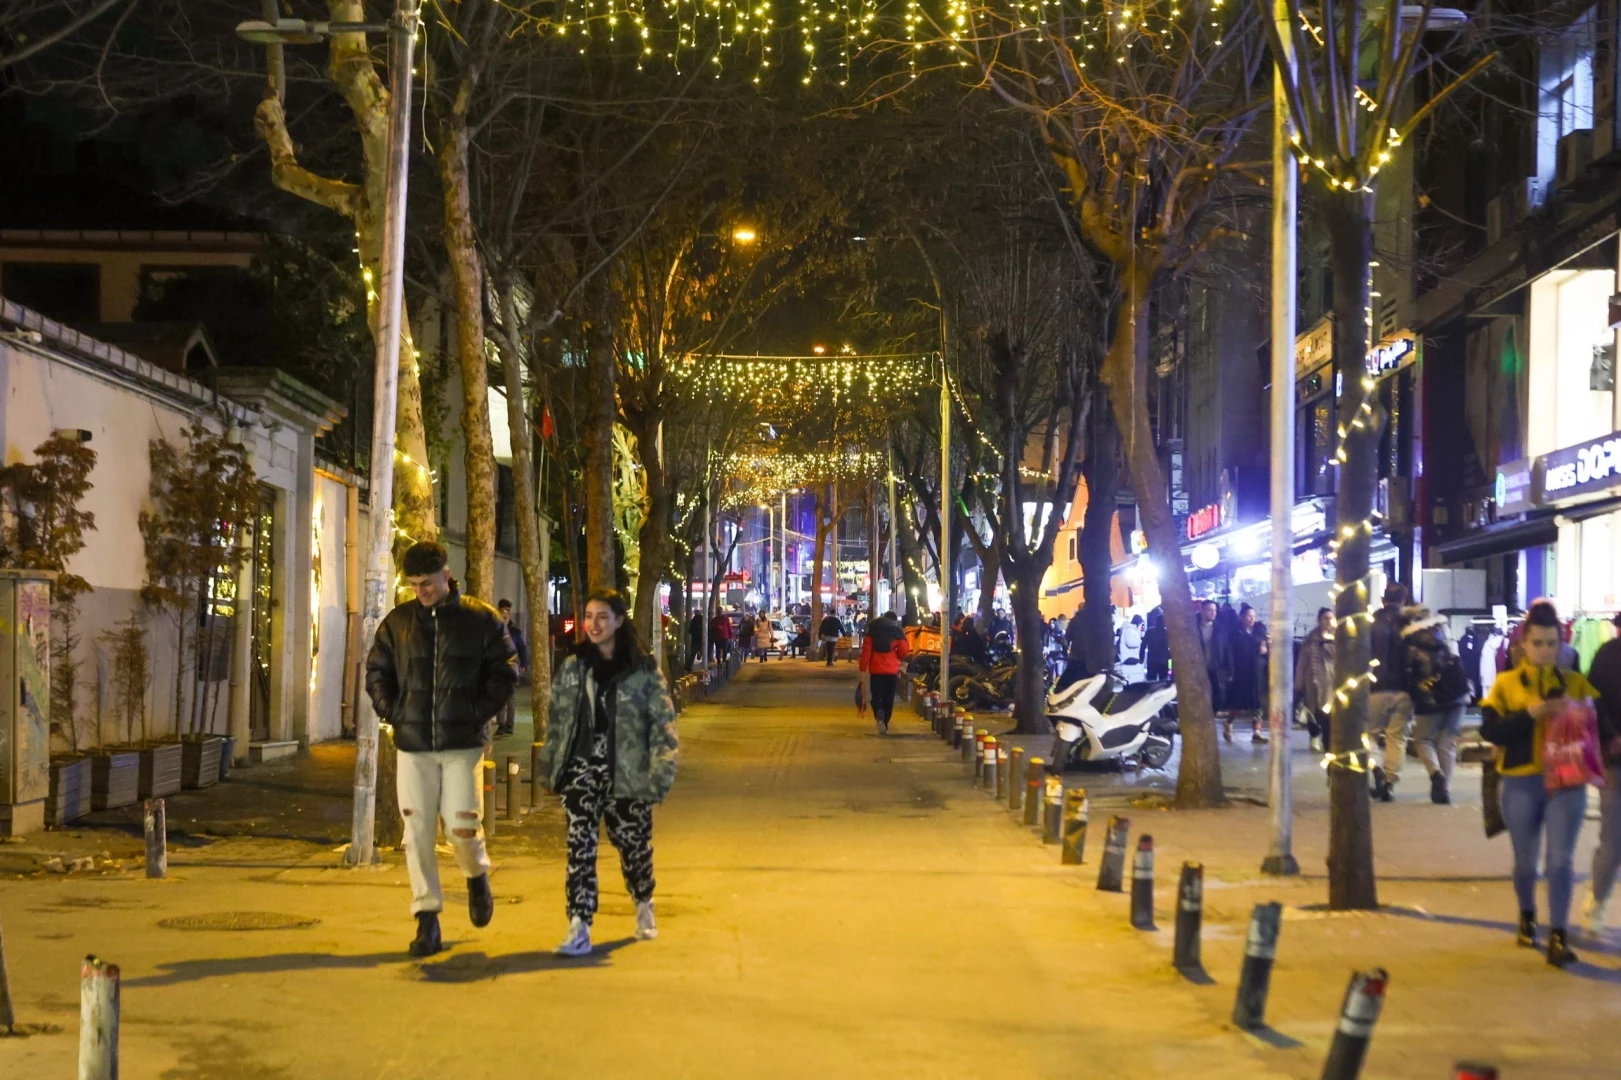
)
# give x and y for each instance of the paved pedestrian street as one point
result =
(831, 904)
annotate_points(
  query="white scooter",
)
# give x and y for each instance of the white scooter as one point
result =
(1105, 718)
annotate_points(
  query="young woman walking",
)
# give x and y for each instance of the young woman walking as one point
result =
(1531, 711)
(610, 754)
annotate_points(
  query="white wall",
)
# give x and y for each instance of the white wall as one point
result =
(329, 603)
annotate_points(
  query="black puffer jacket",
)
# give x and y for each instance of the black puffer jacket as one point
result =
(439, 674)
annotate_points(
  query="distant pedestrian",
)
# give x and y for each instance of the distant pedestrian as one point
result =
(882, 651)
(720, 636)
(765, 638)
(440, 669)
(1247, 643)
(1439, 688)
(1314, 679)
(1156, 648)
(1532, 714)
(610, 754)
(1605, 675)
(695, 639)
(1217, 652)
(509, 715)
(1130, 641)
(1390, 706)
(829, 632)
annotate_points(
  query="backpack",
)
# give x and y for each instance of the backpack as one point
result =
(1451, 683)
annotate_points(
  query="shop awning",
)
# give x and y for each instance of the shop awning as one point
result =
(1499, 540)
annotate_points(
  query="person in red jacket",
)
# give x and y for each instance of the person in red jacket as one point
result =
(882, 651)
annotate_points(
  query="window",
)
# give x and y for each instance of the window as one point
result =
(1565, 98)
(506, 515)
(66, 292)
(1073, 556)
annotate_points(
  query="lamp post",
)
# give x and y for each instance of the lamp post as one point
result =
(402, 29)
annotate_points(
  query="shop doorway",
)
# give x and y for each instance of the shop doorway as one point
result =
(261, 615)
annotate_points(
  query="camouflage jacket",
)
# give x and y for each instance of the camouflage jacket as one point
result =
(643, 724)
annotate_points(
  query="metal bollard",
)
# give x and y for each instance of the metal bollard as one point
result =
(954, 729)
(8, 1015)
(1076, 812)
(1052, 812)
(514, 781)
(1363, 999)
(1471, 1070)
(1255, 977)
(1015, 777)
(1189, 918)
(157, 839)
(965, 725)
(98, 1020)
(989, 764)
(973, 749)
(537, 786)
(1111, 874)
(1142, 884)
(489, 796)
(1002, 765)
(1032, 789)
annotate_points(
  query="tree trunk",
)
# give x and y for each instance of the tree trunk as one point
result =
(467, 279)
(532, 542)
(1351, 883)
(1125, 372)
(1030, 684)
(824, 518)
(571, 537)
(1097, 533)
(597, 437)
(654, 535)
(911, 557)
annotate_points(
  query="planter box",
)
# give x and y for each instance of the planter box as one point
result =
(70, 797)
(160, 770)
(200, 761)
(115, 778)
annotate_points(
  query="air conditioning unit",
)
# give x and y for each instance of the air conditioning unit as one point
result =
(1575, 154)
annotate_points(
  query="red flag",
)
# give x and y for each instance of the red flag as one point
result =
(548, 430)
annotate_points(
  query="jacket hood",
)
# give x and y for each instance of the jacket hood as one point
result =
(1418, 619)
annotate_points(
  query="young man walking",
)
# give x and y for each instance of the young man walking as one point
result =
(1390, 706)
(439, 671)
(882, 651)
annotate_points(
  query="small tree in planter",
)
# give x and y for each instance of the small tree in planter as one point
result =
(131, 673)
(201, 494)
(41, 527)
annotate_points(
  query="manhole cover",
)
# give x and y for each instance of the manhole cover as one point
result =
(238, 920)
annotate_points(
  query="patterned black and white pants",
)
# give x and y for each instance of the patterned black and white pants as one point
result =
(586, 789)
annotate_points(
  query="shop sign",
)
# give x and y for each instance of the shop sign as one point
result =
(1585, 469)
(1205, 556)
(1513, 493)
(1314, 348)
(1206, 519)
(1392, 355)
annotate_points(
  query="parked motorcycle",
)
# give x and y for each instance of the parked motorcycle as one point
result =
(1105, 718)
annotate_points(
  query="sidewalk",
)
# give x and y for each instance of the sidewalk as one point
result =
(831, 905)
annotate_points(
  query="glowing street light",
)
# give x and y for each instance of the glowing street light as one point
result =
(743, 234)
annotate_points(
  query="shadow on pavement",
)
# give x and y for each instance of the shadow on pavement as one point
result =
(183, 971)
(476, 966)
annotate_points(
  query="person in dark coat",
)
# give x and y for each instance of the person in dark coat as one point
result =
(1218, 656)
(1157, 647)
(509, 715)
(1606, 679)
(439, 670)
(695, 635)
(1247, 646)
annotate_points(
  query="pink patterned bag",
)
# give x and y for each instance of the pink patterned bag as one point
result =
(1570, 750)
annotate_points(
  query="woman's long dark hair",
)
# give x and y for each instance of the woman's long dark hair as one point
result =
(627, 643)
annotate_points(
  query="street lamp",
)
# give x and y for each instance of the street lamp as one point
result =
(402, 29)
(743, 234)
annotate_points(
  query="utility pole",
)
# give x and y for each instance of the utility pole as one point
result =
(1280, 857)
(709, 551)
(402, 41)
(945, 568)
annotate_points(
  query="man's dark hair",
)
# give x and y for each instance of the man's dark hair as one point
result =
(1542, 613)
(1324, 611)
(504, 605)
(1395, 593)
(424, 557)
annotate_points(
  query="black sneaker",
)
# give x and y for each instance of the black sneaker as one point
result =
(1438, 790)
(427, 939)
(480, 901)
(1526, 934)
(1559, 954)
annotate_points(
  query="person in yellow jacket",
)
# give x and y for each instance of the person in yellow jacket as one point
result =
(1512, 716)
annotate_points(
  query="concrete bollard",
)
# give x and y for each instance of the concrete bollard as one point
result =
(98, 1020)
(8, 1014)
(990, 763)
(1111, 874)
(489, 796)
(965, 726)
(537, 784)
(157, 839)
(1471, 1070)
(974, 750)
(1142, 884)
(1015, 777)
(1255, 977)
(1189, 919)
(925, 709)
(1052, 811)
(953, 730)
(1363, 999)
(1076, 812)
(1032, 789)
(1002, 766)
(514, 782)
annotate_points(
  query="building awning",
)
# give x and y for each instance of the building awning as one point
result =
(1499, 540)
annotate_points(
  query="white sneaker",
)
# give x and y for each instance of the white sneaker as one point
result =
(1316, 745)
(646, 928)
(1594, 914)
(578, 941)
